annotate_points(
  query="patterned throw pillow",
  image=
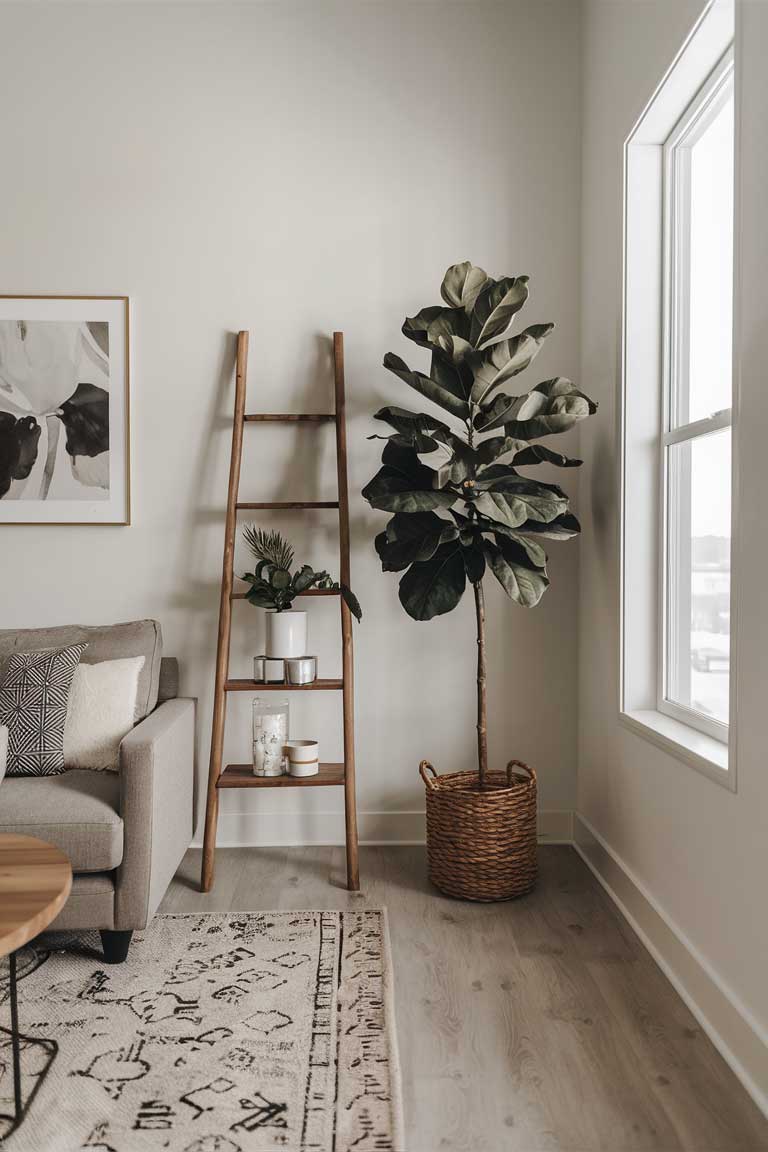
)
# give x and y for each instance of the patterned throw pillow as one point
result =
(33, 707)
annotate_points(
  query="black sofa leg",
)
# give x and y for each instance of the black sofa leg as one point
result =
(115, 945)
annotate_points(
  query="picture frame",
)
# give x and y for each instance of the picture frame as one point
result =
(65, 410)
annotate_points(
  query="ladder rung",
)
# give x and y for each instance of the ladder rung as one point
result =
(255, 686)
(285, 504)
(241, 776)
(289, 417)
(309, 592)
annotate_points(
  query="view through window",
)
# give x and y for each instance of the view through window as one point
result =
(697, 433)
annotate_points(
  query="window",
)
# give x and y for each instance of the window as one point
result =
(677, 670)
(696, 439)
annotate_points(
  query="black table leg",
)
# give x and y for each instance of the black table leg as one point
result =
(49, 1046)
(15, 1037)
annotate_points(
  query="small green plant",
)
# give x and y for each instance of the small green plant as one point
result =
(274, 585)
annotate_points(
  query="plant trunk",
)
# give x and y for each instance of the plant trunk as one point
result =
(482, 735)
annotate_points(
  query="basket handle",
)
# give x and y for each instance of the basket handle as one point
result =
(428, 780)
(519, 764)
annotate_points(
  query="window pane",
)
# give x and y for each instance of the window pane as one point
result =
(699, 574)
(707, 281)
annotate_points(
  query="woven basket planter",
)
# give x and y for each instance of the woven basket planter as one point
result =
(481, 845)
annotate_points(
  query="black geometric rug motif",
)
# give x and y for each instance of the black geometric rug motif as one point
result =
(247, 1032)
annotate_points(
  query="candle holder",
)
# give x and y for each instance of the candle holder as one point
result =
(268, 670)
(303, 757)
(301, 670)
(270, 734)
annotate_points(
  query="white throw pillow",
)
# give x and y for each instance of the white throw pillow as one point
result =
(3, 750)
(100, 712)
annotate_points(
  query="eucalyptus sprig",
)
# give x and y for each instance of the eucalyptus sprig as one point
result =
(274, 585)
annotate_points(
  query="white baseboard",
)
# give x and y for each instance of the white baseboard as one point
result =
(265, 829)
(297, 829)
(739, 1038)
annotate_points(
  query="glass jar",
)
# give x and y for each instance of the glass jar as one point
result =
(270, 733)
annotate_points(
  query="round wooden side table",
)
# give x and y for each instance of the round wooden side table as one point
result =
(35, 881)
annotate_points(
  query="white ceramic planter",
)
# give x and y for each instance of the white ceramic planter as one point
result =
(303, 757)
(286, 634)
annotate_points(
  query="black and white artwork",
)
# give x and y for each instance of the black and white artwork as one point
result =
(64, 410)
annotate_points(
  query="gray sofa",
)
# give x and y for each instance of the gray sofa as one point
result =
(124, 832)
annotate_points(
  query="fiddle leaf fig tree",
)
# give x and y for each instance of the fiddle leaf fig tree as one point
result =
(456, 485)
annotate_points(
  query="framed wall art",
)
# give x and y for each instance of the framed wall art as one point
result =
(64, 405)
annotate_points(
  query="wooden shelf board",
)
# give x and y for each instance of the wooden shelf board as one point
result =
(241, 776)
(284, 505)
(288, 417)
(309, 592)
(255, 686)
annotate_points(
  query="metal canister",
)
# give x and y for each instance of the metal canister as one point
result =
(301, 670)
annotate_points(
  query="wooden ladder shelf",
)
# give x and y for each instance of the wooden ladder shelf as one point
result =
(241, 775)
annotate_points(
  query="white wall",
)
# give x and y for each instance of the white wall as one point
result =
(294, 168)
(698, 849)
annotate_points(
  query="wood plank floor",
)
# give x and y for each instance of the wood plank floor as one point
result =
(542, 1024)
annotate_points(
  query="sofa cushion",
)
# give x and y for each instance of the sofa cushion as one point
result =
(100, 711)
(33, 706)
(107, 642)
(77, 811)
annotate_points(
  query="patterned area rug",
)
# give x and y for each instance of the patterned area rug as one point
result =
(235, 1033)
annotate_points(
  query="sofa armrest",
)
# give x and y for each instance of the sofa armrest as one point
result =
(157, 767)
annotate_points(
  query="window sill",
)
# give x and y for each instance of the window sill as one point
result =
(701, 752)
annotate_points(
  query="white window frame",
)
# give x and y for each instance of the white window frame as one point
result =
(694, 121)
(642, 411)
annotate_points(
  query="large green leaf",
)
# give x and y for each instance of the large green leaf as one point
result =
(504, 410)
(404, 484)
(515, 500)
(523, 584)
(563, 527)
(436, 586)
(305, 578)
(462, 462)
(496, 446)
(536, 556)
(496, 307)
(412, 428)
(412, 537)
(389, 492)
(427, 387)
(562, 388)
(417, 525)
(553, 406)
(453, 377)
(538, 454)
(401, 419)
(454, 348)
(428, 327)
(351, 601)
(260, 598)
(503, 478)
(501, 361)
(462, 284)
(422, 444)
(454, 471)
